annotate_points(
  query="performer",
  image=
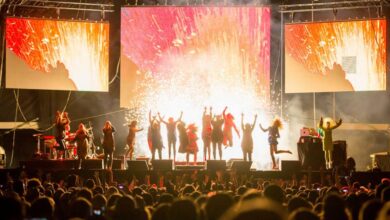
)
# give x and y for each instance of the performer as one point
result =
(183, 137)
(108, 144)
(155, 136)
(206, 132)
(81, 139)
(192, 147)
(327, 141)
(227, 129)
(131, 138)
(61, 123)
(171, 130)
(217, 135)
(67, 126)
(273, 135)
(247, 140)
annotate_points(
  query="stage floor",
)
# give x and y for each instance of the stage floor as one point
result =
(57, 170)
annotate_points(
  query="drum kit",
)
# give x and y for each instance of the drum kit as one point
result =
(50, 143)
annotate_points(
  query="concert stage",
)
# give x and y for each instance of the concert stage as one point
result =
(58, 170)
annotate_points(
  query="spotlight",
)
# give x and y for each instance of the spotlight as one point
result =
(292, 15)
(334, 13)
(103, 14)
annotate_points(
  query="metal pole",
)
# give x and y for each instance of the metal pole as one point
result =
(332, 3)
(328, 9)
(314, 110)
(62, 8)
(281, 63)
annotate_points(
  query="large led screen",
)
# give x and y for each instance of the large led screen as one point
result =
(184, 58)
(335, 56)
(56, 54)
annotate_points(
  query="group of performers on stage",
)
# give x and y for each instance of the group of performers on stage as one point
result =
(217, 130)
(82, 137)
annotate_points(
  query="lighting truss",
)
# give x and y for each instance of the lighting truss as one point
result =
(71, 5)
(329, 6)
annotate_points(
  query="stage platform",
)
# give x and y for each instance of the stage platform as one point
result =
(59, 169)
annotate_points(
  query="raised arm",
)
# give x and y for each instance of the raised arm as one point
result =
(211, 112)
(337, 124)
(254, 123)
(150, 116)
(181, 115)
(224, 113)
(263, 129)
(321, 124)
(242, 121)
(138, 130)
(161, 118)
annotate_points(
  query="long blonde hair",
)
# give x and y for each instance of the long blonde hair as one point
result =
(277, 123)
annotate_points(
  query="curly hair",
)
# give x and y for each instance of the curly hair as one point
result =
(277, 123)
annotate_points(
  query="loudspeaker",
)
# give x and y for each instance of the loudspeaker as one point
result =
(291, 166)
(117, 164)
(137, 165)
(214, 165)
(162, 165)
(339, 153)
(94, 164)
(310, 152)
(49, 164)
(241, 166)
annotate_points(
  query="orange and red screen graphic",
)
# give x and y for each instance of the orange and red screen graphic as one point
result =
(52, 51)
(341, 56)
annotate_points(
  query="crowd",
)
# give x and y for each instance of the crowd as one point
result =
(74, 198)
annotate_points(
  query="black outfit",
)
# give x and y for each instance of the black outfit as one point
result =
(247, 142)
(217, 137)
(60, 136)
(108, 146)
(183, 137)
(156, 139)
(171, 128)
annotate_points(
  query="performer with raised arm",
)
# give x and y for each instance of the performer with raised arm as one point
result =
(131, 138)
(108, 144)
(171, 131)
(217, 135)
(192, 147)
(327, 140)
(227, 129)
(247, 140)
(206, 132)
(61, 123)
(81, 139)
(155, 136)
(273, 135)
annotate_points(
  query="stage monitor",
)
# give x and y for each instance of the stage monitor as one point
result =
(335, 56)
(57, 54)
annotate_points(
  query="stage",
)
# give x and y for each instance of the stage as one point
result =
(58, 170)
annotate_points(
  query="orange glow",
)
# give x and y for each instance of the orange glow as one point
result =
(318, 47)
